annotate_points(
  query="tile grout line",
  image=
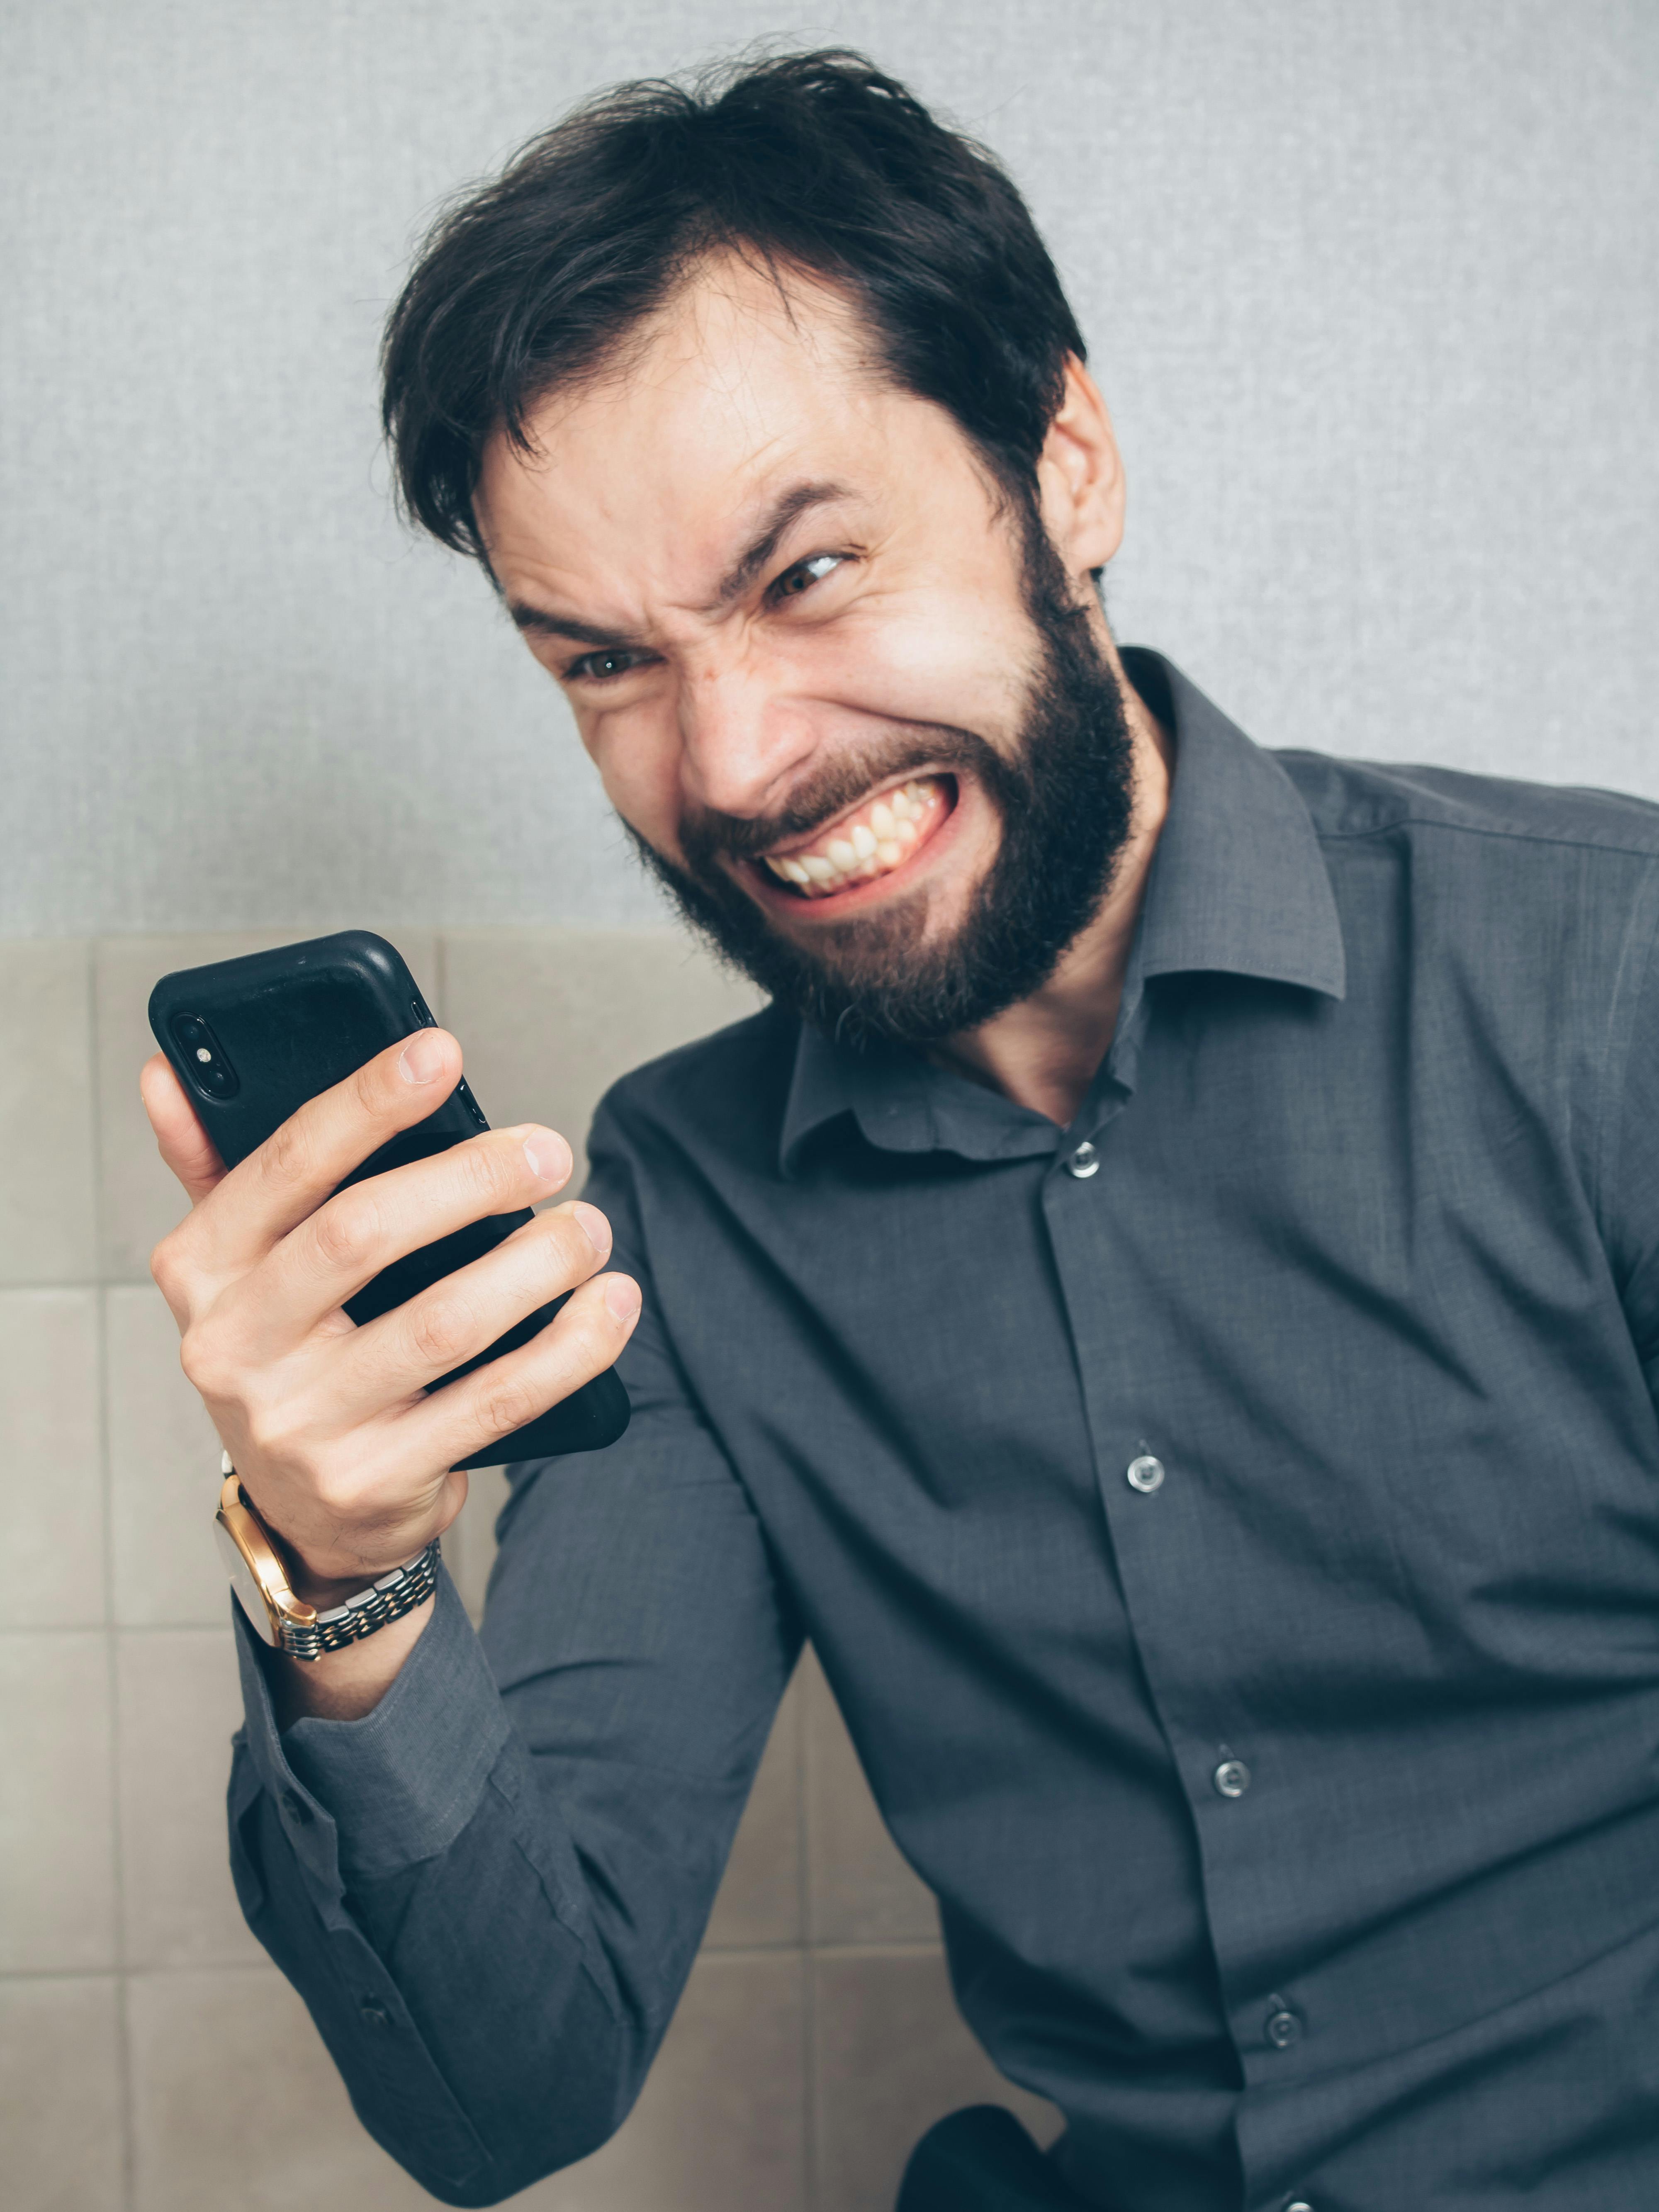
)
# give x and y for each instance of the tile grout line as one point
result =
(809, 2054)
(738, 1953)
(176, 1970)
(99, 1223)
(33, 1974)
(127, 1628)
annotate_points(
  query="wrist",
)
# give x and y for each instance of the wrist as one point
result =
(347, 1684)
(322, 1590)
(262, 1580)
(324, 1578)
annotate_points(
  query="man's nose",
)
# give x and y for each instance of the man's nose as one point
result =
(746, 738)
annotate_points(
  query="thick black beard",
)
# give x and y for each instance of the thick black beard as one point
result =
(1065, 799)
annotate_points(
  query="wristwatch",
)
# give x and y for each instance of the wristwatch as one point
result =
(285, 1622)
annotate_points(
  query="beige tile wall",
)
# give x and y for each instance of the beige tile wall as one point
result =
(817, 2039)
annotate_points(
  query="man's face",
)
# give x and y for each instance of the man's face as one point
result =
(837, 689)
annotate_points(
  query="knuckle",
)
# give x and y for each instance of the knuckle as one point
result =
(442, 1331)
(377, 1093)
(509, 1402)
(583, 1338)
(567, 1254)
(285, 1156)
(346, 1232)
(494, 1170)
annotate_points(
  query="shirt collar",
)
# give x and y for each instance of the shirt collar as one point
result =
(1237, 885)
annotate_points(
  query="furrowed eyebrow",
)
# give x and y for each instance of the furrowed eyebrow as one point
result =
(761, 548)
(542, 622)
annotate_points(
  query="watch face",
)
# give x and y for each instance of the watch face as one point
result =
(247, 1590)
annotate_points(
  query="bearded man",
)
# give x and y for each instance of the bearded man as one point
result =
(1165, 1297)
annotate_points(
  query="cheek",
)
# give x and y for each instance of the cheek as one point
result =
(964, 667)
(637, 751)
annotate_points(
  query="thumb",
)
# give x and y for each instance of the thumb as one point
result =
(185, 1144)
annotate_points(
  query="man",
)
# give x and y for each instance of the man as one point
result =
(1167, 1296)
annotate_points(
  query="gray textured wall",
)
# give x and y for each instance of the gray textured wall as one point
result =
(1372, 287)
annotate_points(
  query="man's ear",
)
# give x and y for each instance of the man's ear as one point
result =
(1080, 477)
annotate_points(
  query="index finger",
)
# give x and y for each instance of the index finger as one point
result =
(283, 1184)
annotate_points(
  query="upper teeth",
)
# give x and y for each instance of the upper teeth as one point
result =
(868, 845)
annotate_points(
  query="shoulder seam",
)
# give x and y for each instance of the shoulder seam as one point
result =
(1484, 830)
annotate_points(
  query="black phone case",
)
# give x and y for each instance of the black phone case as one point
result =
(251, 1039)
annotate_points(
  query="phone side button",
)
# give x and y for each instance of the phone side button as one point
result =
(471, 1104)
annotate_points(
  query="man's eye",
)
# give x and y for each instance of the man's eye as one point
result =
(804, 573)
(600, 667)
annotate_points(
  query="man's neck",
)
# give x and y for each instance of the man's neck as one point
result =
(1044, 1052)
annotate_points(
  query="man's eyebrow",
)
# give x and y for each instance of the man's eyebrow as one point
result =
(545, 624)
(785, 510)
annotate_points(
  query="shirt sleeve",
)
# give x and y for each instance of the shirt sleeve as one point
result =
(489, 1891)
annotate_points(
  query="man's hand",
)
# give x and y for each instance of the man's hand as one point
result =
(331, 1435)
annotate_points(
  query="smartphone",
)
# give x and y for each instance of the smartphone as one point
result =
(251, 1039)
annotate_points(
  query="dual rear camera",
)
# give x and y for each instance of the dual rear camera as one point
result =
(203, 1057)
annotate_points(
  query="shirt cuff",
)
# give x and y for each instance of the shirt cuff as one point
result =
(398, 1785)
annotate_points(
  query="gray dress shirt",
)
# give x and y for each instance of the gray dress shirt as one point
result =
(1230, 1525)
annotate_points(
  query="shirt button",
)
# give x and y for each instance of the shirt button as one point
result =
(375, 2016)
(296, 1808)
(1145, 1474)
(1284, 2029)
(1083, 1163)
(1232, 1777)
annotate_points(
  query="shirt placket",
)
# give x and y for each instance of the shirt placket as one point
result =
(1155, 1513)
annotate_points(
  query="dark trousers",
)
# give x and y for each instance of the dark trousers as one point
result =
(983, 2160)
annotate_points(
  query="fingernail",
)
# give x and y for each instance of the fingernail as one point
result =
(549, 1156)
(594, 1226)
(622, 1295)
(423, 1059)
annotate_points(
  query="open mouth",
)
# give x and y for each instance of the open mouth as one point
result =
(875, 838)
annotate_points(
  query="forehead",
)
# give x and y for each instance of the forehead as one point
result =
(740, 384)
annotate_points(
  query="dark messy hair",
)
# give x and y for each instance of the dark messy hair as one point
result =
(813, 162)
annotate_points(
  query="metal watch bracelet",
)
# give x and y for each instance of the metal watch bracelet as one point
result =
(289, 1625)
(387, 1599)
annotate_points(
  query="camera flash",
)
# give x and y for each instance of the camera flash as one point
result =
(202, 1053)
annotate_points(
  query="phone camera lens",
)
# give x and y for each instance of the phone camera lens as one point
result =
(210, 1071)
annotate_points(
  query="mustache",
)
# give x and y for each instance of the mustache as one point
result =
(709, 834)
